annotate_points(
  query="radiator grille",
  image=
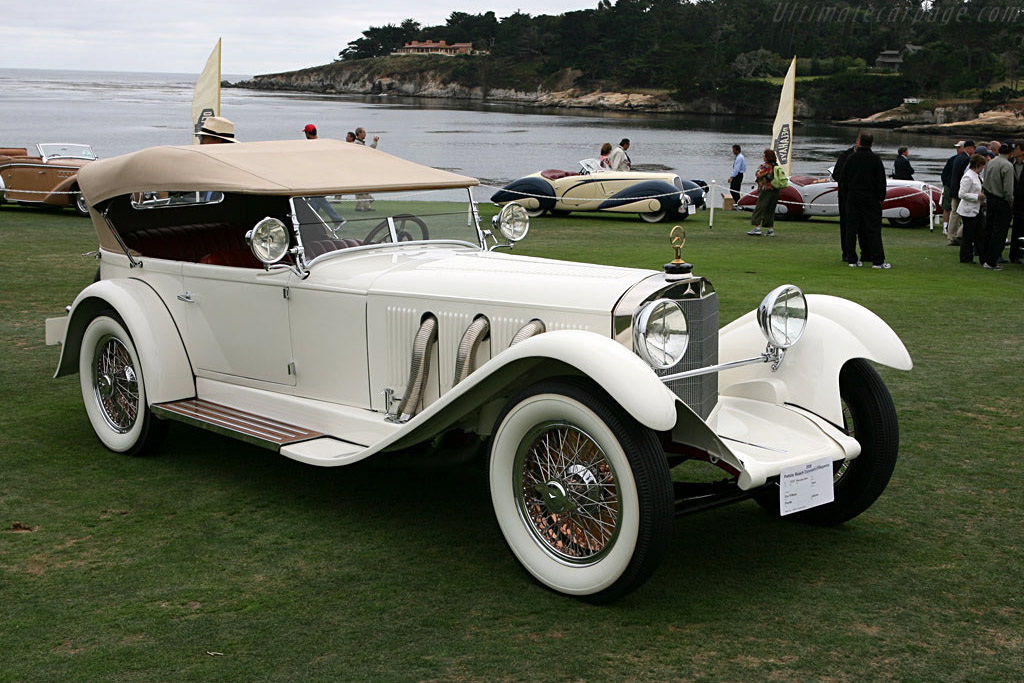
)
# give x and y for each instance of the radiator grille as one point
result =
(699, 393)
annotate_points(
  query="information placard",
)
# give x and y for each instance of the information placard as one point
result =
(805, 486)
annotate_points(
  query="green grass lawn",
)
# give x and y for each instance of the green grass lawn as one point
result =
(218, 561)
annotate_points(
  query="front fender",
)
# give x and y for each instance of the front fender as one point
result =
(165, 364)
(621, 373)
(838, 330)
(532, 192)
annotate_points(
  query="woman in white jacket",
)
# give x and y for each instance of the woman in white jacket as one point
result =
(972, 201)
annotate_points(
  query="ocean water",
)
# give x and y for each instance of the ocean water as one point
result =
(119, 112)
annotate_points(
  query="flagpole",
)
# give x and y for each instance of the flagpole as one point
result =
(782, 129)
(206, 98)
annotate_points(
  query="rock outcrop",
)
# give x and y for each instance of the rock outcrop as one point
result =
(960, 119)
(404, 77)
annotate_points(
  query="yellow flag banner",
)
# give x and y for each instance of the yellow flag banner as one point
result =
(782, 131)
(206, 100)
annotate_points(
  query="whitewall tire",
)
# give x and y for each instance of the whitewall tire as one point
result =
(114, 388)
(581, 491)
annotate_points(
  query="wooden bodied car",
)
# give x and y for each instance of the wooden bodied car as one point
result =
(49, 177)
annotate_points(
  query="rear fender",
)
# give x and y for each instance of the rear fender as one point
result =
(61, 195)
(666, 194)
(628, 380)
(838, 330)
(165, 364)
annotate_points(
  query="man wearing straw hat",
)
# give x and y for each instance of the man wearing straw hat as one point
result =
(216, 130)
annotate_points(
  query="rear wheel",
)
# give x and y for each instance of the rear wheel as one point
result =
(653, 217)
(114, 389)
(80, 205)
(581, 491)
(901, 222)
(536, 213)
(869, 416)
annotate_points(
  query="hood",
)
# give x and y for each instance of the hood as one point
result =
(491, 277)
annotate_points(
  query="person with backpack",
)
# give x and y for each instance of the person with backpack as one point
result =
(770, 178)
(864, 179)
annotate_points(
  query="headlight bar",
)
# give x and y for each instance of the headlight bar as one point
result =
(782, 304)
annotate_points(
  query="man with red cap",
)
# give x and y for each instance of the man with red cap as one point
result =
(310, 131)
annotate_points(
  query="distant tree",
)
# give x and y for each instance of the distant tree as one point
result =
(754, 64)
(378, 41)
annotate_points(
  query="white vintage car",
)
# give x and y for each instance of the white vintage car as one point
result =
(241, 291)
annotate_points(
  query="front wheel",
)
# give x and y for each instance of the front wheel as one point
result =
(80, 205)
(869, 416)
(536, 213)
(901, 222)
(114, 389)
(581, 491)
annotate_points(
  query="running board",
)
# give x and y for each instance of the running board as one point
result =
(238, 424)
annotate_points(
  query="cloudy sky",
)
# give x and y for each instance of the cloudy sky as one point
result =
(260, 36)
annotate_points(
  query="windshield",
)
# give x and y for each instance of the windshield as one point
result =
(333, 222)
(65, 151)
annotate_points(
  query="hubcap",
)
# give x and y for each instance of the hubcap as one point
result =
(116, 384)
(566, 493)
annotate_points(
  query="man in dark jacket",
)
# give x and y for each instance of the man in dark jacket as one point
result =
(837, 173)
(901, 169)
(955, 229)
(863, 179)
(1016, 248)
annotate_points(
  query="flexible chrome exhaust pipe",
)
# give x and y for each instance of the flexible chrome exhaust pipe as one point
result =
(471, 339)
(422, 347)
(530, 329)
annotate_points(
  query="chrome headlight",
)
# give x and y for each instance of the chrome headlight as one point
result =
(512, 221)
(268, 240)
(782, 316)
(660, 333)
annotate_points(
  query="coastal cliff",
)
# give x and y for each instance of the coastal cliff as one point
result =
(453, 78)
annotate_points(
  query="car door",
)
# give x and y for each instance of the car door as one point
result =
(27, 180)
(237, 323)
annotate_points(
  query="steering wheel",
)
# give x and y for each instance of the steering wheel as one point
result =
(404, 222)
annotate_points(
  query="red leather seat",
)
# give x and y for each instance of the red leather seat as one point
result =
(555, 174)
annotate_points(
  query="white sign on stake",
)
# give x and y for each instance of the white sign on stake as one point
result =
(805, 486)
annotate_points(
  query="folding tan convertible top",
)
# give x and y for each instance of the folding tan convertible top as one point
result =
(285, 167)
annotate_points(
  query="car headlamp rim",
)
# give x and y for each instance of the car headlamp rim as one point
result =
(661, 333)
(268, 240)
(512, 221)
(782, 316)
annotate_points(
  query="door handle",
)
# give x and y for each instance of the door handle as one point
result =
(187, 298)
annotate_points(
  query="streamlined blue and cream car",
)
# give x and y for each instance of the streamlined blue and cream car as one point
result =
(654, 197)
(245, 289)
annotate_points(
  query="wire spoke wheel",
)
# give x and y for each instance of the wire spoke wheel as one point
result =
(581, 490)
(116, 384)
(568, 495)
(114, 388)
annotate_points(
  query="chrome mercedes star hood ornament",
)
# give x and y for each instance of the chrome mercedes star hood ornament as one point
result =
(678, 267)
